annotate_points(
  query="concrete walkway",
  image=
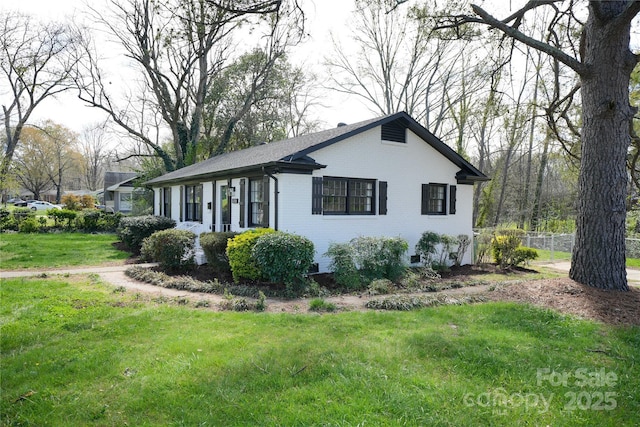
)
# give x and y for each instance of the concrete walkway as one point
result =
(70, 270)
(114, 275)
(633, 276)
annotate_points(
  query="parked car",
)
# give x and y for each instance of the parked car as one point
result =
(23, 203)
(14, 201)
(42, 206)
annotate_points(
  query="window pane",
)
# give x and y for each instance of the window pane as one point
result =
(437, 198)
(256, 201)
(334, 198)
(361, 197)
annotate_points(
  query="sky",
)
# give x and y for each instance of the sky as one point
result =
(324, 18)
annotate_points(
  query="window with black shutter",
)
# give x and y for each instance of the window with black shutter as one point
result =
(382, 198)
(452, 199)
(434, 199)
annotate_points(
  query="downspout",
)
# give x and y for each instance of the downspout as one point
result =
(277, 192)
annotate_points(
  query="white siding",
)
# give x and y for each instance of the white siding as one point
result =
(405, 167)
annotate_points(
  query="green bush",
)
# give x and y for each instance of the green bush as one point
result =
(20, 214)
(318, 304)
(380, 257)
(214, 246)
(427, 246)
(524, 254)
(7, 221)
(133, 230)
(91, 219)
(283, 257)
(172, 249)
(109, 222)
(29, 225)
(365, 259)
(243, 266)
(343, 266)
(504, 245)
(60, 215)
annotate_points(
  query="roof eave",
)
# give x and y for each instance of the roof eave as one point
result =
(277, 167)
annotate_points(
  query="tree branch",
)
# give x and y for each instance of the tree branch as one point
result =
(568, 60)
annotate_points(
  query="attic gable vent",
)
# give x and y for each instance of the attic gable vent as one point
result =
(394, 132)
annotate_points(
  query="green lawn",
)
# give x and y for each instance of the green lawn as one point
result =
(74, 352)
(24, 250)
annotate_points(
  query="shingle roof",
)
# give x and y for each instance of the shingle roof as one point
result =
(294, 152)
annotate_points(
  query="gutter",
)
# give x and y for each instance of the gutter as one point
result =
(277, 192)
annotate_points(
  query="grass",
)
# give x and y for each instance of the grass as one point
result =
(545, 255)
(74, 352)
(23, 250)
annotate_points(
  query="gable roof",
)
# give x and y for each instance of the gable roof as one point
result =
(292, 154)
(114, 180)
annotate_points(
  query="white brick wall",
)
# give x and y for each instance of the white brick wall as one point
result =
(405, 167)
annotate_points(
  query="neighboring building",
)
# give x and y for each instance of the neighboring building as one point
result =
(387, 176)
(118, 191)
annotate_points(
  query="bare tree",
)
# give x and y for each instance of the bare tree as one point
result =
(36, 61)
(179, 46)
(604, 62)
(399, 64)
(94, 147)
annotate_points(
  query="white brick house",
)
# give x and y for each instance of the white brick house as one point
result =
(387, 176)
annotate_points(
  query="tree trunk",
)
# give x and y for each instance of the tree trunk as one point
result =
(599, 253)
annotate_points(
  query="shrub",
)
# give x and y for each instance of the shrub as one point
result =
(524, 255)
(380, 286)
(380, 257)
(7, 221)
(427, 246)
(172, 249)
(504, 244)
(133, 230)
(318, 304)
(29, 225)
(20, 214)
(483, 247)
(463, 244)
(446, 246)
(283, 257)
(343, 266)
(214, 246)
(71, 202)
(109, 222)
(87, 202)
(59, 215)
(91, 219)
(243, 266)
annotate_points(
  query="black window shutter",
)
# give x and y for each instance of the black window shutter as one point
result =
(243, 214)
(182, 203)
(452, 199)
(316, 196)
(382, 198)
(425, 199)
(213, 207)
(265, 201)
(201, 189)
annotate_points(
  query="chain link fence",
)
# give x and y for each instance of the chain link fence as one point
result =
(551, 247)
